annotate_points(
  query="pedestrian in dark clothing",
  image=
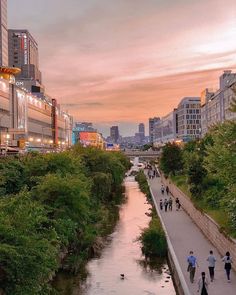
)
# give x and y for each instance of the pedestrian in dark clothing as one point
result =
(170, 204)
(192, 263)
(212, 261)
(162, 189)
(167, 190)
(228, 261)
(161, 204)
(203, 284)
(166, 204)
(177, 203)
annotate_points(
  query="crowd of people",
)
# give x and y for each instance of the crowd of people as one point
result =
(152, 172)
(203, 282)
(167, 203)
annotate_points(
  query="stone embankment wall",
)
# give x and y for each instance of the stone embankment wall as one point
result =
(206, 224)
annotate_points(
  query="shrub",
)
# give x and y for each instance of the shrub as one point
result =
(153, 239)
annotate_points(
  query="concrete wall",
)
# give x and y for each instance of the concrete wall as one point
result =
(206, 224)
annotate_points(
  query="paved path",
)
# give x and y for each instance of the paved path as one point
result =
(185, 236)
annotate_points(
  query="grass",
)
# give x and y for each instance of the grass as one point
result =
(218, 215)
(181, 182)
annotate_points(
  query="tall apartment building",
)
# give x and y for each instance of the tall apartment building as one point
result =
(23, 54)
(140, 136)
(215, 106)
(114, 134)
(188, 118)
(152, 122)
(141, 129)
(165, 129)
(3, 34)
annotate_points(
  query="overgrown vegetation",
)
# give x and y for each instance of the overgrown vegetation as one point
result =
(153, 237)
(208, 173)
(52, 209)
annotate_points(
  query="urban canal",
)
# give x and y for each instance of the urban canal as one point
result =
(122, 255)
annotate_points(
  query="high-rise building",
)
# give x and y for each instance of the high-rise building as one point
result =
(114, 134)
(141, 129)
(165, 129)
(152, 122)
(3, 34)
(188, 118)
(23, 54)
(215, 106)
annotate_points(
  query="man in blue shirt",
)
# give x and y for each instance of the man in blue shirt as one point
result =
(192, 263)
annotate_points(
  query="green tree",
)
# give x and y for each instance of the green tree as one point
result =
(171, 159)
(28, 246)
(220, 163)
(233, 101)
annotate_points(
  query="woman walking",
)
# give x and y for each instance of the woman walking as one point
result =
(228, 261)
(203, 284)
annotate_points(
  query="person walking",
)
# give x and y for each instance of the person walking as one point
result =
(167, 190)
(170, 202)
(228, 261)
(161, 204)
(211, 265)
(192, 263)
(166, 205)
(203, 284)
(162, 189)
(177, 204)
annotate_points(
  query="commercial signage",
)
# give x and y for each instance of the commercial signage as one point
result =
(21, 110)
(88, 136)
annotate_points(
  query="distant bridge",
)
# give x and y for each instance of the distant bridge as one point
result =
(142, 154)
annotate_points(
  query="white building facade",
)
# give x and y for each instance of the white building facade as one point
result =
(188, 119)
(215, 106)
(165, 129)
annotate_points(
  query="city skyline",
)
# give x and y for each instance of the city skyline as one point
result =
(126, 61)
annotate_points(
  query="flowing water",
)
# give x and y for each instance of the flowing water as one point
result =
(122, 255)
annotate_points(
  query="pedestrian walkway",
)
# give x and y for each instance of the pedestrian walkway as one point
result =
(185, 236)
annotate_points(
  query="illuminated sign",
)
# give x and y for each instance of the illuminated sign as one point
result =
(21, 110)
(88, 136)
(18, 83)
(25, 47)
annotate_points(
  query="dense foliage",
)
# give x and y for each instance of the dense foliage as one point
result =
(143, 185)
(209, 167)
(171, 160)
(153, 237)
(52, 209)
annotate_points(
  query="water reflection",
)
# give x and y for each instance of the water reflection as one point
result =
(123, 255)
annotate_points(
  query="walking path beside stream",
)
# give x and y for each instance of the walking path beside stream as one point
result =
(185, 236)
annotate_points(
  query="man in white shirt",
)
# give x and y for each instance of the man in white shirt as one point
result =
(211, 265)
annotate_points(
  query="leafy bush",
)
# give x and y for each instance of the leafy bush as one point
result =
(143, 184)
(153, 239)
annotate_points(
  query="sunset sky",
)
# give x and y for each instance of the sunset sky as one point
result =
(123, 61)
